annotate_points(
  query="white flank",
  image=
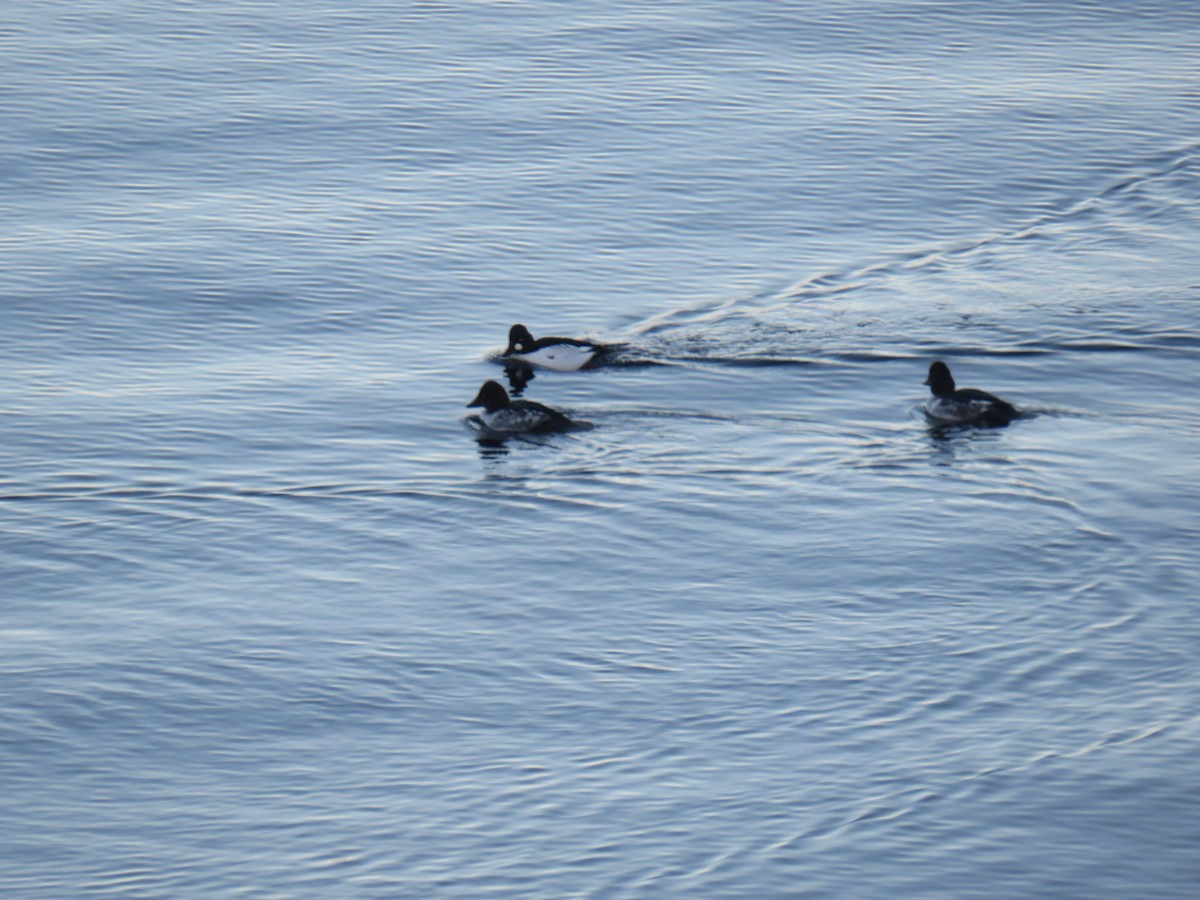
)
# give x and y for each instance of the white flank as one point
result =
(559, 357)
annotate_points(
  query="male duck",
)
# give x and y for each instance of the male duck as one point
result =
(965, 405)
(502, 413)
(559, 354)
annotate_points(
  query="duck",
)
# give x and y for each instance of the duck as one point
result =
(557, 353)
(503, 414)
(964, 405)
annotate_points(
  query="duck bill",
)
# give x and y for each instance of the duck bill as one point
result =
(478, 401)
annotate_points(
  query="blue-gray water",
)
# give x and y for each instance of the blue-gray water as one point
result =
(274, 624)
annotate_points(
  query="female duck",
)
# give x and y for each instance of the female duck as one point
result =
(559, 354)
(502, 413)
(965, 405)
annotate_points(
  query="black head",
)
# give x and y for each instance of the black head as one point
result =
(519, 339)
(940, 381)
(491, 397)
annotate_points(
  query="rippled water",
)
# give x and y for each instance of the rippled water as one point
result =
(276, 624)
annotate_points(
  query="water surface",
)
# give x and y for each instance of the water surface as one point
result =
(277, 624)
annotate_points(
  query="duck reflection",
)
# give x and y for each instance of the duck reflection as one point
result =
(491, 447)
(518, 377)
(950, 441)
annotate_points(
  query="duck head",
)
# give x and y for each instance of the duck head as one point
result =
(519, 339)
(940, 381)
(491, 397)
